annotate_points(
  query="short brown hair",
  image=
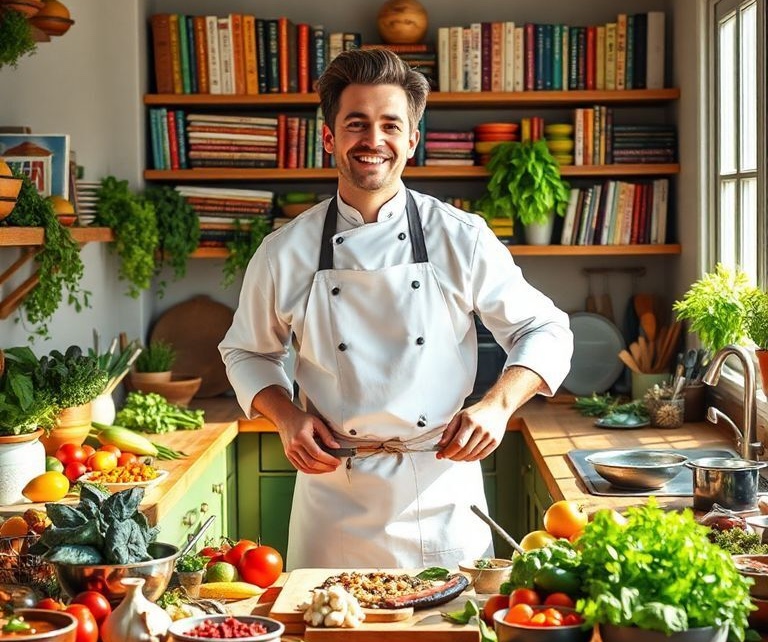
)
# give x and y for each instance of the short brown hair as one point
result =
(371, 67)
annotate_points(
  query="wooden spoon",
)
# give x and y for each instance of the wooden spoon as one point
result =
(648, 324)
(629, 361)
(643, 304)
(634, 348)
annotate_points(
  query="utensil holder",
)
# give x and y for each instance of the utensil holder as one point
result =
(667, 413)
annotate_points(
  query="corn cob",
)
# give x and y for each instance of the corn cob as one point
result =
(125, 439)
(229, 590)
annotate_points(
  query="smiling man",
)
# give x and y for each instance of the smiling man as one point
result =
(377, 289)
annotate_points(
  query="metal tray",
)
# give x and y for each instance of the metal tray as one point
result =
(680, 486)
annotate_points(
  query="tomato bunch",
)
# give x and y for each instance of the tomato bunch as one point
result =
(543, 616)
(256, 563)
(89, 608)
(78, 460)
(527, 597)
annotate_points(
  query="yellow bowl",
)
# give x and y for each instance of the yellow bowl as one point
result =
(563, 159)
(486, 146)
(560, 146)
(558, 130)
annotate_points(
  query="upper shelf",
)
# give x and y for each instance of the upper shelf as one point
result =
(486, 99)
(19, 236)
(437, 173)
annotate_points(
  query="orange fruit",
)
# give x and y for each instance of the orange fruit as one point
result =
(103, 460)
(15, 526)
(565, 518)
(48, 487)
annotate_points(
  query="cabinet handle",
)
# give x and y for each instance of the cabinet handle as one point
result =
(204, 508)
(189, 519)
(218, 489)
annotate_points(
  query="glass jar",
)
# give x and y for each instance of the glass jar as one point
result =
(667, 413)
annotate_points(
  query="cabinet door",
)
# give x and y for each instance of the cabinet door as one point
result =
(205, 497)
(502, 489)
(537, 498)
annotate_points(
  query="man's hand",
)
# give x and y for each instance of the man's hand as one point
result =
(474, 433)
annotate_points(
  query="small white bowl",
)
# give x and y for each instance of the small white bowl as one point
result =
(490, 579)
(759, 524)
(177, 632)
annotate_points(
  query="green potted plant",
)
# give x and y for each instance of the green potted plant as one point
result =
(16, 38)
(659, 572)
(59, 265)
(756, 325)
(525, 185)
(190, 570)
(155, 363)
(24, 407)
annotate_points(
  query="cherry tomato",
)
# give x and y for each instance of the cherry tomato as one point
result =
(553, 615)
(49, 604)
(524, 596)
(75, 469)
(538, 619)
(109, 448)
(67, 453)
(559, 599)
(519, 614)
(494, 603)
(126, 458)
(97, 604)
(569, 619)
(87, 629)
(234, 554)
(88, 450)
(261, 565)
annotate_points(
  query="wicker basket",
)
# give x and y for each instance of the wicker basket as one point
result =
(18, 566)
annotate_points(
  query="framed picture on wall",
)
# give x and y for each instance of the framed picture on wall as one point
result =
(42, 157)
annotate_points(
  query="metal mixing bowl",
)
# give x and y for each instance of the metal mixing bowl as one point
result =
(75, 578)
(637, 469)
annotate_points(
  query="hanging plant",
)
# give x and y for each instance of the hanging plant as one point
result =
(15, 38)
(59, 266)
(134, 224)
(246, 241)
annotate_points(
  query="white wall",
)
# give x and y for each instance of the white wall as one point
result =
(89, 83)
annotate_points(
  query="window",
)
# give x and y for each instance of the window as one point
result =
(740, 217)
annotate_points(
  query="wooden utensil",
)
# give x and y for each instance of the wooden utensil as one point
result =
(629, 361)
(643, 304)
(648, 324)
(634, 348)
(504, 535)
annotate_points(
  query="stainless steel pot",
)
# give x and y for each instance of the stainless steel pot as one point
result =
(731, 482)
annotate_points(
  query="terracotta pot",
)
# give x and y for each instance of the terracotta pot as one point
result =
(611, 633)
(72, 427)
(762, 360)
(139, 378)
(22, 458)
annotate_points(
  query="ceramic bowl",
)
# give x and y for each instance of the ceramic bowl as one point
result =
(637, 468)
(10, 186)
(560, 146)
(508, 632)
(558, 130)
(758, 619)
(756, 567)
(490, 576)
(759, 524)
(105, 578)
(6, 206)
(180, 390)
(64, 625)
(178, 630)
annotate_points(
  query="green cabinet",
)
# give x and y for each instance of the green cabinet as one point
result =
(213, 492)
(265, 480)
(535, 497)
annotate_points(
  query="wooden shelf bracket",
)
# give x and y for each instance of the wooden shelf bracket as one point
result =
(13, 300)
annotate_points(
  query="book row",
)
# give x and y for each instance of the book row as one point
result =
(617, 213)
(628, 53)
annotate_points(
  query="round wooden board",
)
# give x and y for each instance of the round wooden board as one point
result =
(195, 328)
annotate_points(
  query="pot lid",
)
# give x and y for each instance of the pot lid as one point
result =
(726, 463)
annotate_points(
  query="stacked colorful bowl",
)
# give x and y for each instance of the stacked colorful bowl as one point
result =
(488, 135)
(559, 138)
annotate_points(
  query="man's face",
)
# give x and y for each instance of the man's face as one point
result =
(372, 141)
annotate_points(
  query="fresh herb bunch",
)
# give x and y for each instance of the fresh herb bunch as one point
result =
(15, 37)
(756, 322)
(525, 183)
(23, 407)
(72, 378)
(134, 224)
(247, 238)
(659, 572)
(178, 227)
(59, 265)
(737, 541)
(716, 307)
(191, 563)
(115, 362)
(602, 405)
(158, 356)
(153, 413)
(103, 528)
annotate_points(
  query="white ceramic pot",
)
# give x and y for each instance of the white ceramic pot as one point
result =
(22, 457)
(103, 409)
(540, 233)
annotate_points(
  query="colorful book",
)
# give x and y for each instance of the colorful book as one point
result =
(238, 53)
(178, 83)
(654, 64)
(201, 54)
(250, 55)
(184, 51)
(160, 24)
(214, 59)
(318, 54)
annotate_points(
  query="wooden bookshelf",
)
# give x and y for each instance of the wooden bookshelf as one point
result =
(26, 236)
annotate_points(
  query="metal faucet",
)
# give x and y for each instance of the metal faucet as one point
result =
(751, 449)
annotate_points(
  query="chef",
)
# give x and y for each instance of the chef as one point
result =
(377, 289)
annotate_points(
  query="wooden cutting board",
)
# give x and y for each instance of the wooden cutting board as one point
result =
(195, 328)
(403, 625)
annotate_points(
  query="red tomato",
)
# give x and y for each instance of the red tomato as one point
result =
(68, 453)
(218, 557)
(49, 604)
(87, 629)
(102, 460)
(524, 596)
(519, 614)
(572, 618)
(559, 599)
(261, 565)
(494, 603)
(538, 619)
(111, 449)
(88, 450)
(74, 469)
(553, 616)
(234, 554)
(126, 458)
(97, 604)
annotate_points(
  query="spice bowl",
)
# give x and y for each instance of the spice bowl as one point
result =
(486, 574)
(179, 631)
(756, 567)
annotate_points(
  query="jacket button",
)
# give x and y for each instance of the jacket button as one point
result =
(335, 291)
(342, 347)
(420, 341)
(401, 236)
(339, 240)
(421, 423)
(415, 285)
(353, 432)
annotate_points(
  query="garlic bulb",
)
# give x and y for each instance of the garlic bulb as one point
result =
(136, 619)
(333, 607)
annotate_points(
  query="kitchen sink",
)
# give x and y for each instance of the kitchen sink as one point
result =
(680, 486)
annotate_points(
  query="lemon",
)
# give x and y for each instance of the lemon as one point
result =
(221, 572)
(536, 539)
(48, 487)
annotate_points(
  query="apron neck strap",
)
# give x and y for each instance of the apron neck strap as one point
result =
(418, 246)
